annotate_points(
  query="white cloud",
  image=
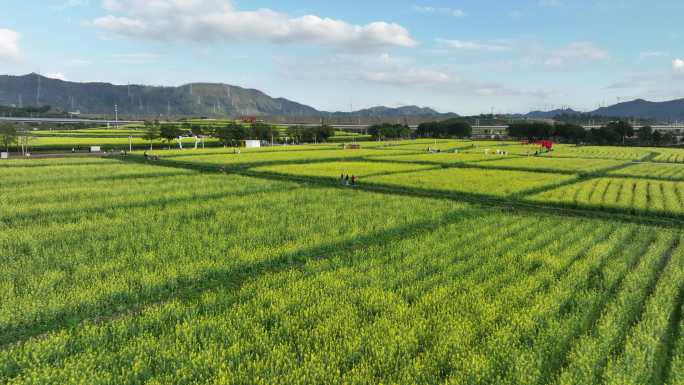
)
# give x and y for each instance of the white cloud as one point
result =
(71, 4)
(474, 46)
(550, 3)
(210, 20)
(456, 12)
(577, 52)
(112, 5)
(635, 81)
(678, 66)
(652, 54)
(135, 58)
(55, 75)
(78, 63)
(441, 81)
(9, 46)
(419, 77)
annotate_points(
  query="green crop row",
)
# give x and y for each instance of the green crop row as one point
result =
(129, 271)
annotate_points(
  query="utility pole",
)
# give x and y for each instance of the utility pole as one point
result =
(116, 115)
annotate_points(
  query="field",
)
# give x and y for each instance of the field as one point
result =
(262, 267)
(118, 138)
(108, 139)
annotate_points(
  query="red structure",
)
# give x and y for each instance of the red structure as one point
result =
(547, 144)
(249, 119)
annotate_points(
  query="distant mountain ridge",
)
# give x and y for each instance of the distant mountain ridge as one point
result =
(196, 99)
(551, 114)
(672, 110)
(220, 100)
(100, 98)
(394, 112)
(640, 108)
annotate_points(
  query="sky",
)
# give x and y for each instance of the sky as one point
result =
(463, 56)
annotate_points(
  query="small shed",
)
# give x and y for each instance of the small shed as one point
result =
(252, 143)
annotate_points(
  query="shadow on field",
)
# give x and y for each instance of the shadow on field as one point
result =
(228, 278)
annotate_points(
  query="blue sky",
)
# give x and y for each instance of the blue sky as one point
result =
(464, 56)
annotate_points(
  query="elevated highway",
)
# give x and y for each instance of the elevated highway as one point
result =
(678, 128)
(66, 120)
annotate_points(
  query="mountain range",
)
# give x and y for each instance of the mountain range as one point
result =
(551, 114)
(197, 99)
(665, 111)
(216, 100)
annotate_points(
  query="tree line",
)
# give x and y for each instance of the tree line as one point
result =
(451, 128)
(232, 134)
(613, 133)
(11, 134)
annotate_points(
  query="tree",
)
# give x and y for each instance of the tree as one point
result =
(231, 134)
(669, 138)
(570, 132)
(299, 134)
(458, 129)
(296, 133)
(622, 128)
(324, 132)
(389, 131)
(657, 137)
(263, 131)
(428, 130)
(645, 134)
(24, 140)
(531, 130)
(8, 135)
(195, 129)
(446, 129)
(169, 132)
(604, 135)
(151, 132)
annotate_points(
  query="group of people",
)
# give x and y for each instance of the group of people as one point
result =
(348, 181)
(498, 152)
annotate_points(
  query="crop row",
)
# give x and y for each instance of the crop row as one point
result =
(450, 296)
(639, 195)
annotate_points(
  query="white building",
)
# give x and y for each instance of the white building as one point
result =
(252, 143)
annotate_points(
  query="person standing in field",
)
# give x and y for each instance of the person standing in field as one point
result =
(353, 180)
